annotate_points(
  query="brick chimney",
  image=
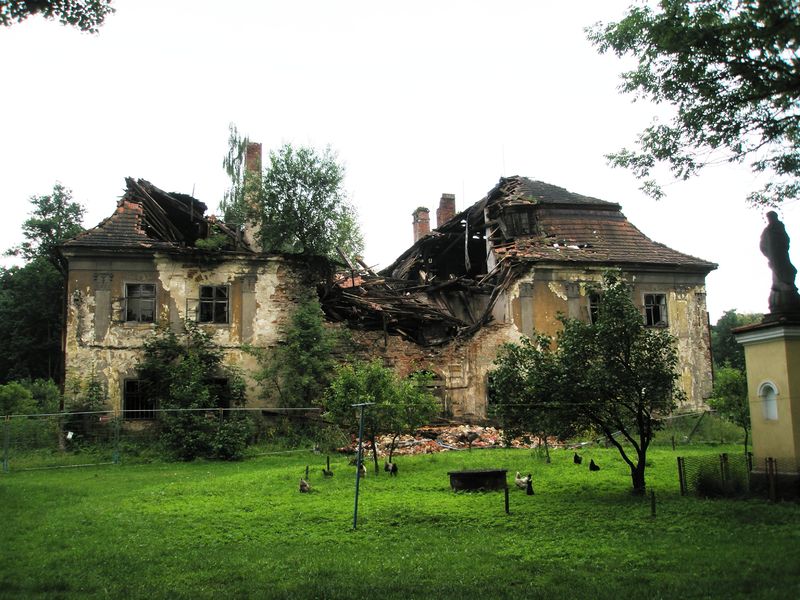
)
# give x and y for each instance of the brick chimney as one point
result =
(252, 158)
(252, 182)
(422, 222)
(446, 210)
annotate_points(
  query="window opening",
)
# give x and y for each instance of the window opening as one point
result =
(769, 401)
(220, 393)
(140, 302)
(594, 307)
(213, 304)
(655, 310)
(135, 406)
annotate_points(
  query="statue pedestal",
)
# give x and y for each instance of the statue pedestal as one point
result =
(772, 354)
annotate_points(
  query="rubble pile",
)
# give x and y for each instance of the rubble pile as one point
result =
(428, 440)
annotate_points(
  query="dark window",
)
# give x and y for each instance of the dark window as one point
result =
(135, 405)
(655, 310)
(594, 307)
(220, 393)
(140, 302)
(213, 304)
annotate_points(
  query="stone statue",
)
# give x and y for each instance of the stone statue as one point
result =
(783, 297)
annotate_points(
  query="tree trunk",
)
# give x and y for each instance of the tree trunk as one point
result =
(546, 448)
(637, 477)
(374, 454)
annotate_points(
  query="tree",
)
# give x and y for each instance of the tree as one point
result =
(185, 377)
(730, 69)
(614, 375)
(413, 407)
(16, 399)
(729, 398)
(724, 347)
(301, 368)
(397, 405)
(235, 204)
(524, 391)
(302, 207)
(86, 15)
(45, 394)
(619, 376)
(32, 319)
(54, 219)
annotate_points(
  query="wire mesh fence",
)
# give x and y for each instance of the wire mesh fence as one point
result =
(700, 427)
(105, 437)
(776, 477)
(735, 475)
(714, 475)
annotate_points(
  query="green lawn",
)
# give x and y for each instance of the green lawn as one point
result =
(242, 530)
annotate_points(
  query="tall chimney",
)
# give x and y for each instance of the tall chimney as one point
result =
(252, 184)
(446, 210)
(422, 222)
(252, 158)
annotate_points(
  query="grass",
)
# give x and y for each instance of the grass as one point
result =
(242, 530)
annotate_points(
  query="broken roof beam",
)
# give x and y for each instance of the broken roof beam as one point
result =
(154, 214)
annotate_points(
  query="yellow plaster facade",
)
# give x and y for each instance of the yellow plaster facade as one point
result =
(772, 354)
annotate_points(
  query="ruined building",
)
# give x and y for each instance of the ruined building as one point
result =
(159, 260)
(504, 267)
(509, 265)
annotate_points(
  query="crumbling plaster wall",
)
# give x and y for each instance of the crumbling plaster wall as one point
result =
(263, 294)
(538, 298)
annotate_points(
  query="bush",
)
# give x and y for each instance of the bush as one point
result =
(186, 378)
(230, 440)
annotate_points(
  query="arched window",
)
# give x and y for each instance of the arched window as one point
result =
(768, 394)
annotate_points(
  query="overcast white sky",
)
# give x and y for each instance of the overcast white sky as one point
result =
(418, 98)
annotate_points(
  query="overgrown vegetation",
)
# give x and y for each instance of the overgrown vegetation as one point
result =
(200, 530)
(614, 376)
(524, 395)
(185, 377)
(32, 296)
(299, 202)
(297, 372)
(398, 405)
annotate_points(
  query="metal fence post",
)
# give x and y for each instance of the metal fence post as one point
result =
(724, 471)
(116, 438)
(772, 468)
(6, 442)
(360, 458)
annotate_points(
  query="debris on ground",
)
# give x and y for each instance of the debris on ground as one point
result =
(432, 439)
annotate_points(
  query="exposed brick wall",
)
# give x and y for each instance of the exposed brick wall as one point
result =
(462, 364)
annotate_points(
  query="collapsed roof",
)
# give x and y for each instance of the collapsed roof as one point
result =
(447, 283)
(149, 218)
(534, 222)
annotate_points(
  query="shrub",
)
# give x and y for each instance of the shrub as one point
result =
(187, 379)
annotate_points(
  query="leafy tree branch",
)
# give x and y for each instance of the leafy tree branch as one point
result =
(730, 69)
